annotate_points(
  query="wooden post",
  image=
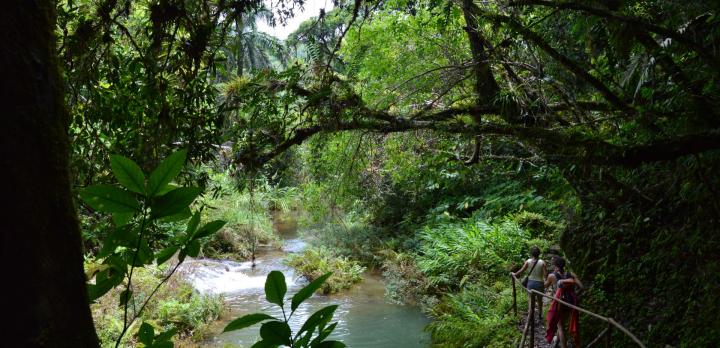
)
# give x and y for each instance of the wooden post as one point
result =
(608, 336)
(531, 318)
(512, 280)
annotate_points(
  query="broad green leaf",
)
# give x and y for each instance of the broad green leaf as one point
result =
(193, 224)
(193, 249)
(109, 199)
(95, 291)
(104, 282)
(146, 334)
(122, 219)
(329, 344)
(275, 332)
(323, 334)
(275, 288)
(264, 344)
(308, 291)
(209, 228)
(319, 318)
(182, 215)
(167, 335)
(166, 172)
(174, 201)
(304, 340)
(247, 320)
(167, 188)
(121, 236)
(162, 344)
(165, 254)
(144, 254)
(128, 173)
(125, 296)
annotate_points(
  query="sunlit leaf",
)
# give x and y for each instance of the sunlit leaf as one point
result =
(174, 202)
(128, 173)
(209, 229)
(166, 172)
(109, 199)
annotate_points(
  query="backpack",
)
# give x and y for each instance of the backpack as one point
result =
(569, 295)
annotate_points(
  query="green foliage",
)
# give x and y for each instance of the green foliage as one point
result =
(313, 263)
(596, 125)
(276, 331)
(405, 282)
(473, 318)
(192, 316)
(248, 218)
(175, 311)
(453, 254)
(351, 238)
(134, 241)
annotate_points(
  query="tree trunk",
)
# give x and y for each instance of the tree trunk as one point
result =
(44, 296)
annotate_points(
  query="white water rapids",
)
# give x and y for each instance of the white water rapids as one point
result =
(365, 318)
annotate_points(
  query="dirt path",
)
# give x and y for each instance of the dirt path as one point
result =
(539, 332)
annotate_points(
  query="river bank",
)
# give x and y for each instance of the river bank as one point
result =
(365, 317)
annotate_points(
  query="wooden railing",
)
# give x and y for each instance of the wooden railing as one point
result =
(606, 333)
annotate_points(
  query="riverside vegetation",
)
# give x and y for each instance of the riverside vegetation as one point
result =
(433, 141)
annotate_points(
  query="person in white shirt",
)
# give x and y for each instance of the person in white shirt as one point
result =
(536, 278)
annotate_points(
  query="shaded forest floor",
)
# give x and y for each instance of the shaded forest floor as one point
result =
(539, 332)
(539, 327)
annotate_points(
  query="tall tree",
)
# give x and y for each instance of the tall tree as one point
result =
(41, 236)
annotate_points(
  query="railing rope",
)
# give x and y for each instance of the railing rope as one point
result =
(611, 322)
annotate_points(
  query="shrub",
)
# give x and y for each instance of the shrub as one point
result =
(452, 254)
(192, 316)
(314, 262)
(473, 318)
(404, 281)
(248, 222)
(176, 305)
(538, 225)
(351, 238)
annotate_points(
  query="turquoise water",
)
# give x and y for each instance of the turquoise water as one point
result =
(365, 318)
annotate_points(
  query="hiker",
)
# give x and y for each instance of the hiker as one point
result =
(566, 283)
(536, 278)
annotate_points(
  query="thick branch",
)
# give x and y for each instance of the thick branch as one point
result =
(703, 53)
(558, 146)
(565, 61)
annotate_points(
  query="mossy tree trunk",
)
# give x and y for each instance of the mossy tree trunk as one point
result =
(44, 295)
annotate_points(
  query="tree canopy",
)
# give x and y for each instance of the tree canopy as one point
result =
(617, 98)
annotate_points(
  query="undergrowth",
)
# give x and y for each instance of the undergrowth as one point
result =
(249, 223)
(175, 305)
(458, 275)
(316, 261)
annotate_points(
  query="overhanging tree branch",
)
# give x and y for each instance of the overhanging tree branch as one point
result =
(557, 146)
(703, 53)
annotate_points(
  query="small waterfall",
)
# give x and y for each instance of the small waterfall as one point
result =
(364, 318)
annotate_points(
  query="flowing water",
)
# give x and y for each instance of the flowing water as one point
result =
(365, 318)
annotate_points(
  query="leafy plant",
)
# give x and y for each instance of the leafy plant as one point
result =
(315, 262)
(276, 331)
(176, 305)
(137, 205)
